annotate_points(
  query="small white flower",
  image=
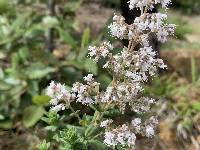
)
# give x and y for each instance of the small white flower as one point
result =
(165, 3)
(89, 78)
(105, 123)
(131, 140)
(117, 30)
(150, 131)
(142, 3)
(121, 138)
(58, 93)
(92, 51)
(130, 35)
(136, 124)
(162, 35)
(54, 101)
(109, 139)
(107, 95)
(102, 51)
(58, 108)
(106, 65)
(81, 93)
(51, 89)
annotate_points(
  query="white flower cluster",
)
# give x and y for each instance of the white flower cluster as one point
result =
(80, 92)
(142, 105)
(102, 51)
(120, 136)
(58, 93)
(130, 70)
(136, 123)
(142, 26)
(61, 98)
(147, 3)
(106, 123)
(125, 135)
(118, 28)
(150, 127)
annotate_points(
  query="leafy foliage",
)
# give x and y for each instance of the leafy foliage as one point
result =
(188, 6)
(26, 65)
(44, 145)
(181, 99)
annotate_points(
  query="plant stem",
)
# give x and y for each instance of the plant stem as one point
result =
(75, 113)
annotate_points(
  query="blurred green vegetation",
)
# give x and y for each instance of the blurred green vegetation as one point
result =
(188, 6)
(111, 3)
(182, 28)
(26, 67)
(180, 98)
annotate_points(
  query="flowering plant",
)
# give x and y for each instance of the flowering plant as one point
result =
(130, 69)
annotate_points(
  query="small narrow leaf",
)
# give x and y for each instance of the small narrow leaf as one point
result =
(85, 38)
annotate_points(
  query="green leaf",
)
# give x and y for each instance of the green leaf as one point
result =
(33, 87)
(4, 6)
(105, 80)
(96, 145)
(90, 130)
(51, 128)
(41, 99)
(66, 37)
(44, 145)
(112, 113)
(196, 106)
(2, 55)
(50, 22)
(83, 122)
(91, 66)
(12, 81)
(85, 38)
(24, 53)
(77, 64)
(51, 117)
(6, 124)
(83, 51)
(32, 115)
(4, 86)
(193, 70)
(38, 71)
(80, 146)
(187, 123)
(19, 22)
(2, 117)
(72, 5)
(15, 60)
(79, 129)
(1, 73)
(34, 31)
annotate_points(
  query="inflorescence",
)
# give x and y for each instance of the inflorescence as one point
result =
(130, 70)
